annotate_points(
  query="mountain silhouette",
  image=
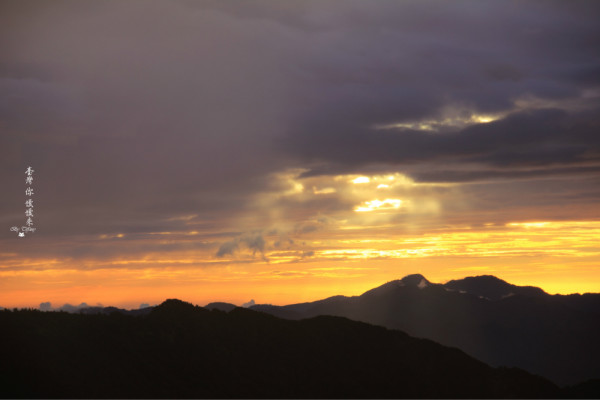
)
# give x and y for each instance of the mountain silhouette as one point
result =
(107, 310)
(492, 288)
(179, 350)
(554, 336)
(585, 390)
(220, 306)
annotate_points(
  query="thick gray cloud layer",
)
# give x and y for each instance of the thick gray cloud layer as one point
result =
(138, 113)
(548, 138)
(535, 63)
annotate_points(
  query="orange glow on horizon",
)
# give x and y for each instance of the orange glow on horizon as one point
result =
(559, 257)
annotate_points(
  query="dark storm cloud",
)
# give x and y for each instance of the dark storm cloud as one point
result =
(482, 57)
(138, 113)
(457, 176)
(133, 112)
(547, 137)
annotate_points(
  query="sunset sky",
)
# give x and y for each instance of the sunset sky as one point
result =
(287, 151)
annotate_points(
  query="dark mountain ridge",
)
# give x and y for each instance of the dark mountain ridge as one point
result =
(492, 288)
(554, 336)
(501, 324)
(220, 306)
(183, 351)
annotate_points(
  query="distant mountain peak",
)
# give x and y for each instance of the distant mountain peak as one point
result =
(175, 307)
(176, 303)
(417, 280)
(492, 288)
(409, 281)
(487, 278)
(220, 306)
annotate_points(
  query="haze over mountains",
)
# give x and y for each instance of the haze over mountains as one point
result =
(554, 336)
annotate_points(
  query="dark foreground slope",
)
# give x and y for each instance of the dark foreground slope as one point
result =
(179, 350)
(501, 324)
